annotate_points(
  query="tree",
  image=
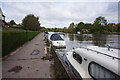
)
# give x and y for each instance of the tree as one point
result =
(80, 26)
(99, 24)
(71, 28)
(65, 29)
(100, 21)
(118, 27)
(110, 27)
(88, 26)
(11, 23)
(30, 22)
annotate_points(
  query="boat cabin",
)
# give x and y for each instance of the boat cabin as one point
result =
(95, 62)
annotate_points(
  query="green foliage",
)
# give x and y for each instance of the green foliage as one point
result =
(80, 26)
(43, 28)
(110, 27)
(12, 22)
(30, 22)
(100, 21)
(13, 39)
(71, 28)
(55, 29)
(88, 26)
(118, 27)
(18, 27)
(65, 29)
(100, 25)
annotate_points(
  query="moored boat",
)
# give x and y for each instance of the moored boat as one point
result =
(57, 41)
(94, 62)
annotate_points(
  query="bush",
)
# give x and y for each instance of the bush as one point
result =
(14, 39)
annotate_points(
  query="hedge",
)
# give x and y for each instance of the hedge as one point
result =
(11, 40)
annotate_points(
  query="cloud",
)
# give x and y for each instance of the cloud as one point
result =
(59, 0)
(61, 14)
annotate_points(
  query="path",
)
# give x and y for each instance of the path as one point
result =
(28, 66)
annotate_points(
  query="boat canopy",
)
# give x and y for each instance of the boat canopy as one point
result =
(46, 32)
(56, 37)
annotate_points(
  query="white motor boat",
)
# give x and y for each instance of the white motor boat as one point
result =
(57, 41)
(78, 32)
(94, 62)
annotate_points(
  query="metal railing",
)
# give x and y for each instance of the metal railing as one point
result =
(102, 53)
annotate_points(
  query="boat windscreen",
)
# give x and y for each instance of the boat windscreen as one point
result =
(55, 37)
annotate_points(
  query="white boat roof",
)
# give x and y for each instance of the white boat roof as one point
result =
(101, 55)
(112, 52)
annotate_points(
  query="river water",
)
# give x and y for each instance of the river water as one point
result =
(77, 40)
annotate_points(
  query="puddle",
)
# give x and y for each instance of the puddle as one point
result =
(35, 52)
(21, 59)
(28, 59)
(33, 58)
(15, 69)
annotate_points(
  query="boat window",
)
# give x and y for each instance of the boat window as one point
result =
(74, 55)
(77, 57)
(97, 71)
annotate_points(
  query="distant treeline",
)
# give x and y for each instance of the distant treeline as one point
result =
(100, 25)
(30, 22)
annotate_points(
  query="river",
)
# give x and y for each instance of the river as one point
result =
(77, 40)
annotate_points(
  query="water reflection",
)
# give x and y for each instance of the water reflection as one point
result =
(99, 39)
(79, 37)
(77, 40)
(71, 37)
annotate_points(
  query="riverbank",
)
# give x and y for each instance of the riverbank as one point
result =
(23, 64)
(33, 60)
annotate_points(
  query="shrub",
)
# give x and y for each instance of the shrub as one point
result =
(14, 39)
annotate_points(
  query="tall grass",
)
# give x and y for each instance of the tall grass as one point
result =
(14, 39)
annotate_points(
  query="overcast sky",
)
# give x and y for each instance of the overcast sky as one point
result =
(61, 14)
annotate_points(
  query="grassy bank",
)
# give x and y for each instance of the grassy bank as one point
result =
(14, 39)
